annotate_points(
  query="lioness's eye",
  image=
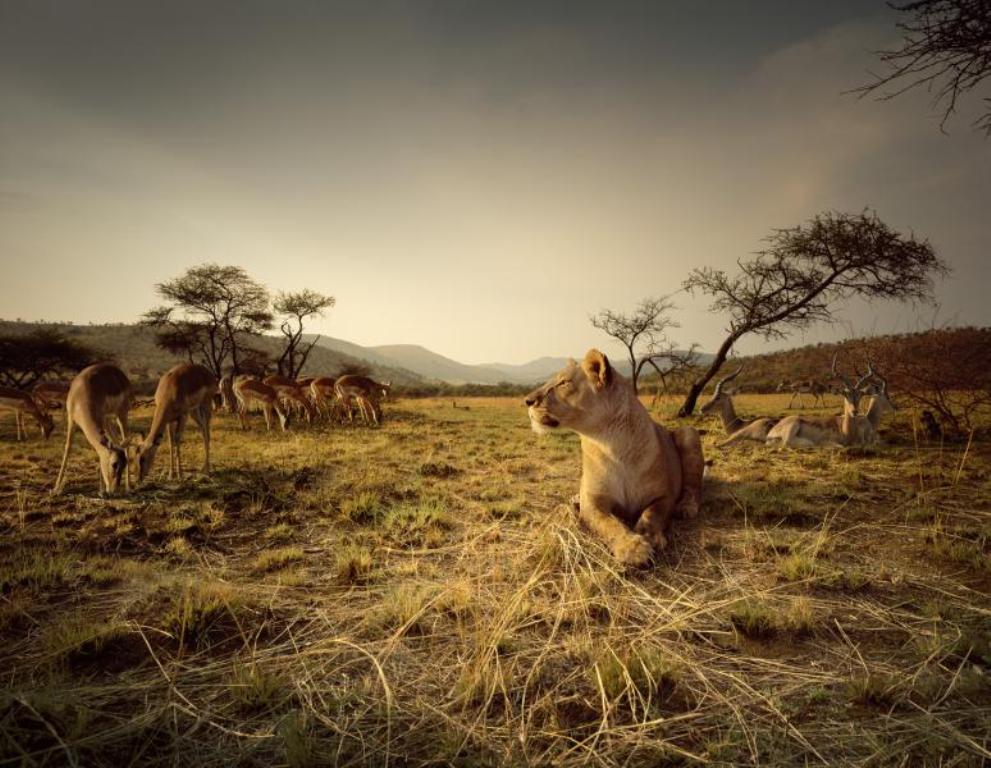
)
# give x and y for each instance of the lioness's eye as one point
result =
(564, 383)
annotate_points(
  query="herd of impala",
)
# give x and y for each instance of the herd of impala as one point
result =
(102, 392)
(851, 427)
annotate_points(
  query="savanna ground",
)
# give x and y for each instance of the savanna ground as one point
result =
(416, 594)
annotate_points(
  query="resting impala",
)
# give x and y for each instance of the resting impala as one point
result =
(289, 390)
(185, 390)
(367, 392)
(96, 394)
(808, 387)
(22, 403)
(736, 428)
(248, 390)
(847, 428)
(50, 394)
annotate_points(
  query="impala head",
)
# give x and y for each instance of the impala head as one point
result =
(113, 465)
(851, 391)
(144, 454)
(46, 423)
(386, 386)
(718, 395)
(571, 398)
(881, 404)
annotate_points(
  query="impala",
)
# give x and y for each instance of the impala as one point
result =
(185, 390)
(847, 428)
(366, 392)
(22, 403)
(289, 390)
(226, 391)
(249, 390)
(97, 393)
(736, 428)
(808, 387)
(323, 394)
(50, 394)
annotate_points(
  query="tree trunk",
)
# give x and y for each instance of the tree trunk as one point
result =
(699, 385)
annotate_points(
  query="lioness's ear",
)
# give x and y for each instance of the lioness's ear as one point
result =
(597, 368)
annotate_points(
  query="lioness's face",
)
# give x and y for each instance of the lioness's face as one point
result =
(572, 398)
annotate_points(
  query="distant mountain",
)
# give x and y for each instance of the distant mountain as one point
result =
(133, 348)
(540, 369)
(430, 365)
(436, 367)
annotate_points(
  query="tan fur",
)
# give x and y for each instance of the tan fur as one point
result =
(635, 472)
(248, 390)
(21, 403)
(365, 392)
(96, 394)
(324, 394)
(185, 390)
(50, 394)
(291, 392)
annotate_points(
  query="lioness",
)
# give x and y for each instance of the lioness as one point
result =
(635, 473)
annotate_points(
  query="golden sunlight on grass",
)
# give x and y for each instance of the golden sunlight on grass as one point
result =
(417, 593)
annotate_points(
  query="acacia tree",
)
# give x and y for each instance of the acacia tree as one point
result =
(946, 49)
(210, 312)
(644, 334)
(27, 357)
(297, 307)
(806, 272)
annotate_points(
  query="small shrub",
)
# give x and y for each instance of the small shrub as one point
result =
(364, 508)
(353, 563)
(754, 619)
(274, 559)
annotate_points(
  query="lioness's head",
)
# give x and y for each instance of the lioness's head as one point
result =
(575, 397)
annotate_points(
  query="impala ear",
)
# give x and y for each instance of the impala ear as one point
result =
(597, 368)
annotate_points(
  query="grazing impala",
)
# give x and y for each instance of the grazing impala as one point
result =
(291, 391)
(736, 428)
(323, 394)
(50, 394)
(848, 428)
(185, 390)
(97, 393)
(808, 387)
(248, 390)
(366, 392)
(22, 403)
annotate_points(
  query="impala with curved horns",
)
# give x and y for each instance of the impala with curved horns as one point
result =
(735, 427)
(847, 428)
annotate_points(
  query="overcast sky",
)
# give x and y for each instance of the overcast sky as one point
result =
(476, 177)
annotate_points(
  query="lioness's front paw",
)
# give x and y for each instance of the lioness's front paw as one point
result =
(656, 538)
(688, 508)
(634, 550)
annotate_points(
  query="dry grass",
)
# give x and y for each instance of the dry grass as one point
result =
(416, 594)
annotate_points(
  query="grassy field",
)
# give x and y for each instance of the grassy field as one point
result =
(416, 594)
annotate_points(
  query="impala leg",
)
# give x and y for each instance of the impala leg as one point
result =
(179, 427)
(60, 479)
(202, 417)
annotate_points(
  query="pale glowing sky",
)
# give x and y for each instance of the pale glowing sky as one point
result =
(474, 177)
